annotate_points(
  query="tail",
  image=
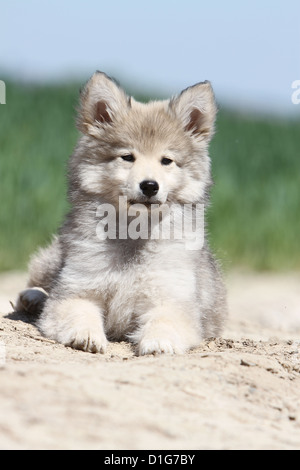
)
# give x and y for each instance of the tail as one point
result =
(31, 301)
(43, 269)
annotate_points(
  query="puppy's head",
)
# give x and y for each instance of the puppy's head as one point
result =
(149, 153)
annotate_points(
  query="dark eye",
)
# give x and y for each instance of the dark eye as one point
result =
(128, 158)
(166, 161)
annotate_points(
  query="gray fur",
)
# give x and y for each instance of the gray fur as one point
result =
(156, 293)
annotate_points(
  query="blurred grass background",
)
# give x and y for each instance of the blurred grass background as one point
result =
(254, 217)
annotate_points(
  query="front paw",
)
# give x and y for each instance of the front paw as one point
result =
(74, 322)
(160, 346)
(167, 331)
(87, 340)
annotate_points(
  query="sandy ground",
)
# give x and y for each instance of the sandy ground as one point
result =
(238, 392)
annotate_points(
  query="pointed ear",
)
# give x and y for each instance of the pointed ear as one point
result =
(196, 108)
(101, 101)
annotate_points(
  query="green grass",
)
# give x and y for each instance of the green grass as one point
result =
(254, 217)
(37, 135)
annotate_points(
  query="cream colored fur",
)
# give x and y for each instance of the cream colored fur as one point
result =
(157, 294)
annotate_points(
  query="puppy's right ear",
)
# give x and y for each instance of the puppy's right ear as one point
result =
(101, 101)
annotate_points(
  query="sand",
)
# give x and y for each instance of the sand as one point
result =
(241, 391)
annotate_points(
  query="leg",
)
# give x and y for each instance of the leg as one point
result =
(74, 322)
(45, 265)
(170, 329)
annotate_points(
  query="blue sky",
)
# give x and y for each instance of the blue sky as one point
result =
(250, 50)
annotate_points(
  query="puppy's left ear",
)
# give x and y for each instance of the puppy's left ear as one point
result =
(197, 109)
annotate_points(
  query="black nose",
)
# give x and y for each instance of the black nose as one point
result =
(149, 188)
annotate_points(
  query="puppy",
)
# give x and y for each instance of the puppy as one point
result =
(104, 277)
